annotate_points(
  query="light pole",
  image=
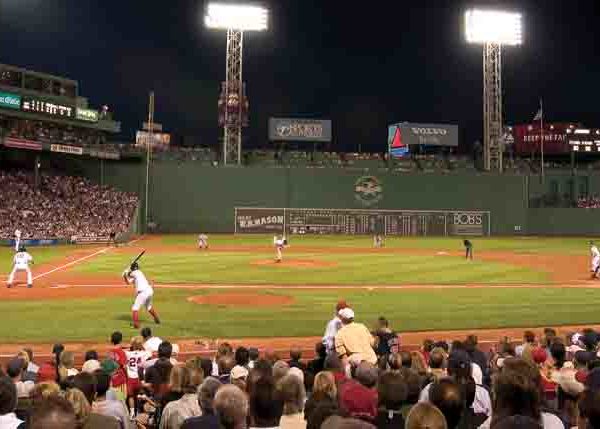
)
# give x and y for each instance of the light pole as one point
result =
(235, 19)
(493, 29)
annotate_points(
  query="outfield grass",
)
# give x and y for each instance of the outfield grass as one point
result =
(409, 310)
(41, 255)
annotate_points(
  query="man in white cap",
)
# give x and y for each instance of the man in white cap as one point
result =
(354, 342)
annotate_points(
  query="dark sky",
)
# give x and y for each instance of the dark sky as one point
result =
(362, 64)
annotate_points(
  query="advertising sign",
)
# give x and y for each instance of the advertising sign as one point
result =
(159, 139)
(88, 115)
(397, 147)
(288, 129)
(73, 150)
(10, 101)
(425, 134)
(22, 144)
(263, 220)
(528, 138)
(51, 108)
(584, 140)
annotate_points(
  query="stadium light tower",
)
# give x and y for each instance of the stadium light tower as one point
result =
(236, 19)
(493, 29)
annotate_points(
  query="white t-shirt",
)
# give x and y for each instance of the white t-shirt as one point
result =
(18, 233)
(141, 282)
(135, 360)
(22, 259)
(151, 345)
(594, 251)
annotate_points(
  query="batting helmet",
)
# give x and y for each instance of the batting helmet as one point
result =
(22, 249)
(134, 266)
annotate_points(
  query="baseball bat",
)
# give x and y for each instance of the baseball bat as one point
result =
(138, 257)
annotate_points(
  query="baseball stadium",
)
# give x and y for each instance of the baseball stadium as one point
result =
(224, 247)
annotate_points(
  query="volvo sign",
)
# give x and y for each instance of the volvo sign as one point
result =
(425, 134)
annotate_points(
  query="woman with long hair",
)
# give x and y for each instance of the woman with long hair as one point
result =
(324, 391)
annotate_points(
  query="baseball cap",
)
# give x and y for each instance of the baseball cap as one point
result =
(238, 372)
(90, 366)
(109, 366)
(341, 305)
(346, 313)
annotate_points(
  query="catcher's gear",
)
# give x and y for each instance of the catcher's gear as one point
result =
(134, 266)
(22, 249)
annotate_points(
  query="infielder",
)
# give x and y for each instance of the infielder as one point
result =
(378, 241)
(595, 254)
(21, 260)
(144, 293)
(279, 243)
(202, 241)
(17, 239)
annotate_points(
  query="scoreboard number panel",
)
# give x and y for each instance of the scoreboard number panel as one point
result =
(362, 222)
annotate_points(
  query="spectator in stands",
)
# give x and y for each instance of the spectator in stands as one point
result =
(392, 392)
(437, 364)
(206, 395)
(109, 407)
(318, 363)
(53, 412)
(428, 346)
(253, 356)
(324, 391)
(334, 365)
(333, 326)
(231, 407)
(353, 341)
(14, 370)
(290, 390)
(548, 340)
(358, 396)
(67, 365)
(425, 415)
(266, 408)
(295, 359)
(242, 357)
(478, 357)
(225, 364)
(224, 349)
(117, 354)
(84, 416)
(446, 394)
(87, 384)
(175, 387)
(8, 404)
(165, 353)
(280, 369)
(529, 343)
(31, 370)
(321, 413)
(176, 412)
(151, 343)
(91, 363)
(386, 341)
(589, 404)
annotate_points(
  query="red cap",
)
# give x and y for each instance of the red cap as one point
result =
(341, 305)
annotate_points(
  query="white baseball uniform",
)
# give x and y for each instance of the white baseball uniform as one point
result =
(279, 245)
(21, 263)
(135, 359)
(203, 241)
(17, 239)
(595, 257)
(144, 291)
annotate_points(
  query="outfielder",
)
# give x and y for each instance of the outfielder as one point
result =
(595, 254)
(144, 293)
(280, 243)
(378, 241)
(17, 239)
(202, 241)
(21, 260)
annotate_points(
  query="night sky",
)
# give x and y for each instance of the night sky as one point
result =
(362, 64)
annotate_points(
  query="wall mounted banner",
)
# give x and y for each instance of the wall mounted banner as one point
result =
(51, 108)
(289, 129)
(10, 101)
(22, 144)
(87, 115)
(73, 150)
(425, 134)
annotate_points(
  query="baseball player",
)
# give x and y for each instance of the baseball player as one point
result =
(144, 293)
(468, 249)
(17, 239)
(595, 254)
(279, 243)
(21, 260)
(202, 241)
(378, 241)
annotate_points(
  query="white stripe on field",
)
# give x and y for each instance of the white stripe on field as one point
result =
(76, 261)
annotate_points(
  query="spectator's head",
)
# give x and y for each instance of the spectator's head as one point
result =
(413, 385)
(207, 366)
(392, 391)
(428, 345)
(346, 315)
(558, 353)
(280, 369)
(86, 383)
(231, 407)
(366, 374)
(91, 355)
(425, 415)
(137, 343)
(549, 336)
(324, 386)
(29, 353)
(42, 390)
(253, 353)
(225, 364)
(589, 339)
(15, 367)
(80, 404)
(25, 357)
(206, 394)
(146, 333)
(102, 383)
(271, 356)
(53, 412)
(518, 422)
(242, 356)
(459, 365)
(333, 363)
(295, 354)
(67, 359)
(471, 343)
(322, 412)
(382, 323)
(437, 359)
(529, 337)
(402, 359)
(165, 350)
(265, 407)
(224, 349)
(179, 375)
(447, 395)
(320, 350)
(8, 396)
(290, 390)
(116, 338)
(516, 391)
(341, 304)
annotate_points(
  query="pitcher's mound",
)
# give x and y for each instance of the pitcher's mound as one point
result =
(242, 300)
(298, 263)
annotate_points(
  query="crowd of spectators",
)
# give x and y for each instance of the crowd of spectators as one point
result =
(61, 207)
(47, 132)
(588, 203)
(358, 379)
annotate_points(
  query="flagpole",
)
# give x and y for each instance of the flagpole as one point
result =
(542, 136)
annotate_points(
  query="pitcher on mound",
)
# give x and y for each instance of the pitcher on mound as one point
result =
(144, 293)
(279, 242)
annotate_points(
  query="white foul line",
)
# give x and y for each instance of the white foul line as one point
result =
(71, 263)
